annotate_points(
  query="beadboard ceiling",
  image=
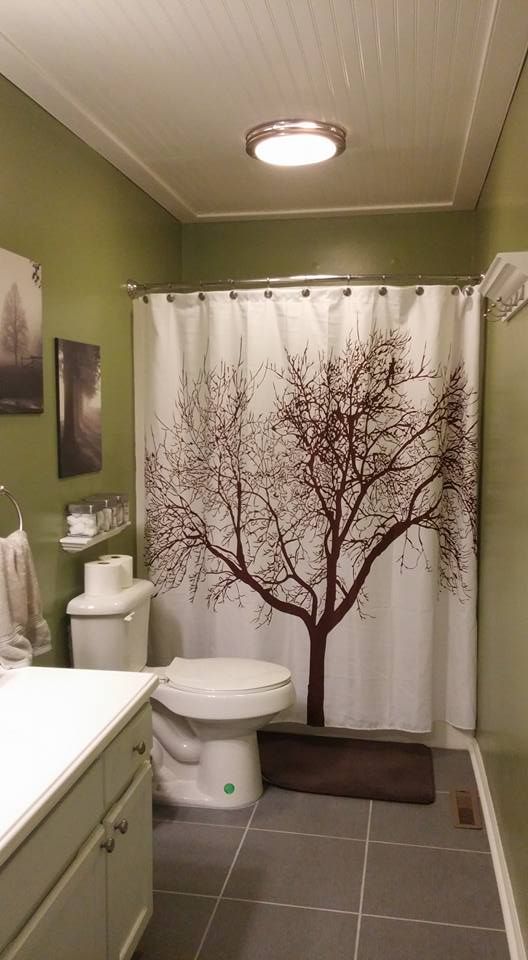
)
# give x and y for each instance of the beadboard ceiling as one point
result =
(166, 89)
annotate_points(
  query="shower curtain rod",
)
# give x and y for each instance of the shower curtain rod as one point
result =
(137, 289)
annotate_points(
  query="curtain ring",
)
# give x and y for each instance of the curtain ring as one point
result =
(347, 292)
(468, 291)
(233, 294)
(145, 298)
(455, 291)
(305, 292)
(201, 295)
(419, 291)
(268, 294)
(170, 297)
(382, 291)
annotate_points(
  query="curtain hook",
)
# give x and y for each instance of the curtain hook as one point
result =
(382, 291)
(419, 291)
(305, 292)
(170, 297)
(145, 298)
(468, 291)
(347, 292)
(268, 292)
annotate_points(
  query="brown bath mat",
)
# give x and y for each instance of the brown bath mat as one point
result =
(342, 767)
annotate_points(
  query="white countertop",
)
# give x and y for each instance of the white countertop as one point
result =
(53, 725)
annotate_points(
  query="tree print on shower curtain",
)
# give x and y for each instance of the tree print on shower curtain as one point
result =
(359, 450)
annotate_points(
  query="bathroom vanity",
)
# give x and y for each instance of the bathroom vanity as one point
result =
(75, 813)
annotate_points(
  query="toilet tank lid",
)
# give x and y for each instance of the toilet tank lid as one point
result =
(227, 674)
(112, 604)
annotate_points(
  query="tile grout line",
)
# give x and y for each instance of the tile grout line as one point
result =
(438, 923)
(363, 879)
(348, 913)
(224, 885)
(393, 843)
(429, 846)
(332, 836)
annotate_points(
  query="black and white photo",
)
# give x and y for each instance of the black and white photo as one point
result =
(78, 407)
(20, 334)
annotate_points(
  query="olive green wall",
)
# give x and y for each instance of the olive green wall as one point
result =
(502, 224)
(393, 243)
(63, 205)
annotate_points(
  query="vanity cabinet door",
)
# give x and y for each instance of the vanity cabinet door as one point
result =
(129, 866)
(71, 921)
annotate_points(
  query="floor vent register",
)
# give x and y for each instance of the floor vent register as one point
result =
(466, 809)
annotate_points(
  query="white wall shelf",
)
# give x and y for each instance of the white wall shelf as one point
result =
(76, 544)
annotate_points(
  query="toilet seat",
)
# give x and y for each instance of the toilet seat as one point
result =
(222, 688)
(225, 675)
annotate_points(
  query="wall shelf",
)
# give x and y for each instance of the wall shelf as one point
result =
(76, 544)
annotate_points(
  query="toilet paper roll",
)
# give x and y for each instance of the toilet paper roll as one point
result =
(127, 564)
(103, 577)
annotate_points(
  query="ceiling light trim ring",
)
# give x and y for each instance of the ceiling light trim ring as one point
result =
(276, 130)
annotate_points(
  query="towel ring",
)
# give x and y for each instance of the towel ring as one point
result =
(6, 493)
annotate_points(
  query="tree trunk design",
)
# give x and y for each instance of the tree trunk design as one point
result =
(316, 679)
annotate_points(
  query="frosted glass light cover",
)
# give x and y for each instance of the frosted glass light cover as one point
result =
(295, 143)
(295, 150)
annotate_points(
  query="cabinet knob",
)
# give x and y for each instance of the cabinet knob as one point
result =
(108, 845)
(122, 826)
(140, 747)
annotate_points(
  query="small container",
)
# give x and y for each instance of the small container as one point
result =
(81, 519)
(108, 508)
(123, 499)
(115, 500)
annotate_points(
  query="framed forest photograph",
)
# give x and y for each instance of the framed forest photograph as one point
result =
(78, 367)
(20, 334)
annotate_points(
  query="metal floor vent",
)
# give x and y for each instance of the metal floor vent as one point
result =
(466, 809)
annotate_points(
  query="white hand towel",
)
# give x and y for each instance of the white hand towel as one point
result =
(23, 631)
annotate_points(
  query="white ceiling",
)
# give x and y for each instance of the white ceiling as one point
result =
(166, 89)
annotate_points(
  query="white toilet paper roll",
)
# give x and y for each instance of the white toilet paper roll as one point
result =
(103, 577)
(127, 564)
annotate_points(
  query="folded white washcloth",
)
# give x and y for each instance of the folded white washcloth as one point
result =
(23, 631)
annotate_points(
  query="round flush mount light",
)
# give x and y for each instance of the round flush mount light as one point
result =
(295, 143)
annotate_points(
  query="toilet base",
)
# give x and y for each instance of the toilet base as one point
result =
(226, 776)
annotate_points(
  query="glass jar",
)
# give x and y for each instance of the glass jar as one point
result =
(115, 501)
(108, 507)
(81, 519)
(123, 500)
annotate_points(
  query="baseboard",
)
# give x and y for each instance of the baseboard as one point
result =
(511, 919)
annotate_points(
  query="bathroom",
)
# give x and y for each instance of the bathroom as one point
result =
(93, 227)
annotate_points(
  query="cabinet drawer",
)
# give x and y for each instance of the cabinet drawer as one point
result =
(35, 867)
(126, 754)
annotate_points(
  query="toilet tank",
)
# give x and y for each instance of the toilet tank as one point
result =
(111, 632)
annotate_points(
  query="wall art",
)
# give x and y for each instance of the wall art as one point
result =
(78, 368)
(20, 334)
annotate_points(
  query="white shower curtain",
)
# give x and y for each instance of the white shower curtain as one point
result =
(307, 477)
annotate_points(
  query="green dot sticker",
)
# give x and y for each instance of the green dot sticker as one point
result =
(229, 787)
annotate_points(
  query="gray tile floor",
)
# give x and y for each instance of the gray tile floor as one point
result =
(306, 877)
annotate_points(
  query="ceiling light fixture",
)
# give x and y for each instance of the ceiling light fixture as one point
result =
(295, 143)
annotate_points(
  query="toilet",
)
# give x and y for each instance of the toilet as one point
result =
(205, 712)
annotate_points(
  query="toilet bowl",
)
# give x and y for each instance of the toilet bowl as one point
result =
(206, 711)
(205, 716)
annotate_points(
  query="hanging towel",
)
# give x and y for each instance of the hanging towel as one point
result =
(23, 631)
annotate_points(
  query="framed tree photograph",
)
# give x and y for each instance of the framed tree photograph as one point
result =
(78, 367)
(20, 334)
